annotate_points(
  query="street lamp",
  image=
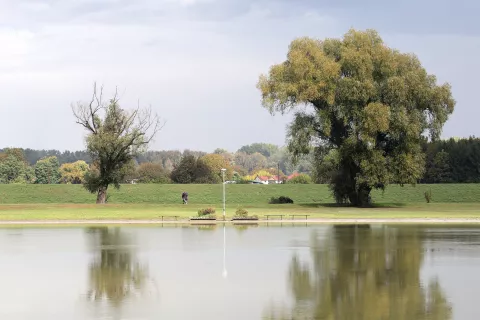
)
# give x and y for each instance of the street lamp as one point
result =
(223, 178)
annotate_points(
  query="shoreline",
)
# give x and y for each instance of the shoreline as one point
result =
(247, 222)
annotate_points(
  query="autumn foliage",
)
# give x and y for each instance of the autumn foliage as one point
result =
(370, 103)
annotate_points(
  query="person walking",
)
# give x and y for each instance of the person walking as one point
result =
(185, 197)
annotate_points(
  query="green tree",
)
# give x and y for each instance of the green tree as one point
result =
(113, 139)
(15, 170)
(47, 171)
(440, 170)
(266, 149)
(368, 101)
(250, 162)
(17, 153)
(185, 171)
(149, 172)
(326, 165)
(302, 178)
(220, 151)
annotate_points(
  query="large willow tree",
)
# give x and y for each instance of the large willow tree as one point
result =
(363, 101)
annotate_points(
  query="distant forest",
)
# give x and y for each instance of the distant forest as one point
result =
(245, 160)
(456, 160)
(248, 158)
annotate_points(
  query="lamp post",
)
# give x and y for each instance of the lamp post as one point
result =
(223, 178)
(278, 173)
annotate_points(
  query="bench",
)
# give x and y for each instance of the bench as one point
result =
(176, 217)
(301, 215)
(274, 215)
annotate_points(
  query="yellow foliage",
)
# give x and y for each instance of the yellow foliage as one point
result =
(376, 118)
(73, 172)
(354, 88)
(262, 173)
(216, 162)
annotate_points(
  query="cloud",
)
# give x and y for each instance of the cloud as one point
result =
(15, 45)
(195, 62)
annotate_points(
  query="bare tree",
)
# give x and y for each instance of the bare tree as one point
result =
(115, 136)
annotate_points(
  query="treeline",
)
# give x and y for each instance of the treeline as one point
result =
(246, 160)
(456, 160)
(267, 160)
(452, 161)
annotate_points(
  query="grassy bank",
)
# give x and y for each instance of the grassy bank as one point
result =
(150, 202)
(235, 194)
(33, 212)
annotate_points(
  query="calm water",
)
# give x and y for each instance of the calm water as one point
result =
(288, 272)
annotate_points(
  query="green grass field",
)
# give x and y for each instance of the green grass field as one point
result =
(170, 194)
(150, 201)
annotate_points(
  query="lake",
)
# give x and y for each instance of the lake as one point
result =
(240, 272)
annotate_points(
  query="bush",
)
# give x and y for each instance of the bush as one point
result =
(206, 211)
(280, 200)
(241, 213)
(149, 172)
(301, 179)
(428, 196)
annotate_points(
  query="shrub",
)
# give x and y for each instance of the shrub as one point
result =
(280, 200)
(241, 213)
(301, 179)
(428, 195)
(203, 212)
(149, 172)
(204, 217)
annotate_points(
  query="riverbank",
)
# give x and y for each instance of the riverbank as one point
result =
(462, 221)
(238, 195)
(315, 212)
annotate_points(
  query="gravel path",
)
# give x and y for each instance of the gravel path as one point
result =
(299, 221)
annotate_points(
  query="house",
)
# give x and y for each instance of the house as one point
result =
(274, 180)
(260, 179)
(266, 180)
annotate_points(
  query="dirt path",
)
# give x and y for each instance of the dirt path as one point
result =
(285, 222)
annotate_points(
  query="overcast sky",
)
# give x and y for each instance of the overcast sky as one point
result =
(196, 62)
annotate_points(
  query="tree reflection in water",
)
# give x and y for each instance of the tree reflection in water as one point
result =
(115, 274)
(361, 273)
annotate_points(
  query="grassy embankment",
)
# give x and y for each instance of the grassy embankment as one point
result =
(72, 202)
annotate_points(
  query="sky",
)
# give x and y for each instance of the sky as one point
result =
(196, 62)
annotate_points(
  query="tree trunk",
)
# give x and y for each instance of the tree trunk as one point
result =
(102, 195)
(360, 197)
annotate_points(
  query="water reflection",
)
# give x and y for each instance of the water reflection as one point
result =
(206, 227)
(242, 227)
(114, 274)
(358, 272)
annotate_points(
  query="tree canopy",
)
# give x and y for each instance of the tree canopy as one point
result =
(206, 169)
(113, 139)
(47, 171)
(74, 173)
(369, 102)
